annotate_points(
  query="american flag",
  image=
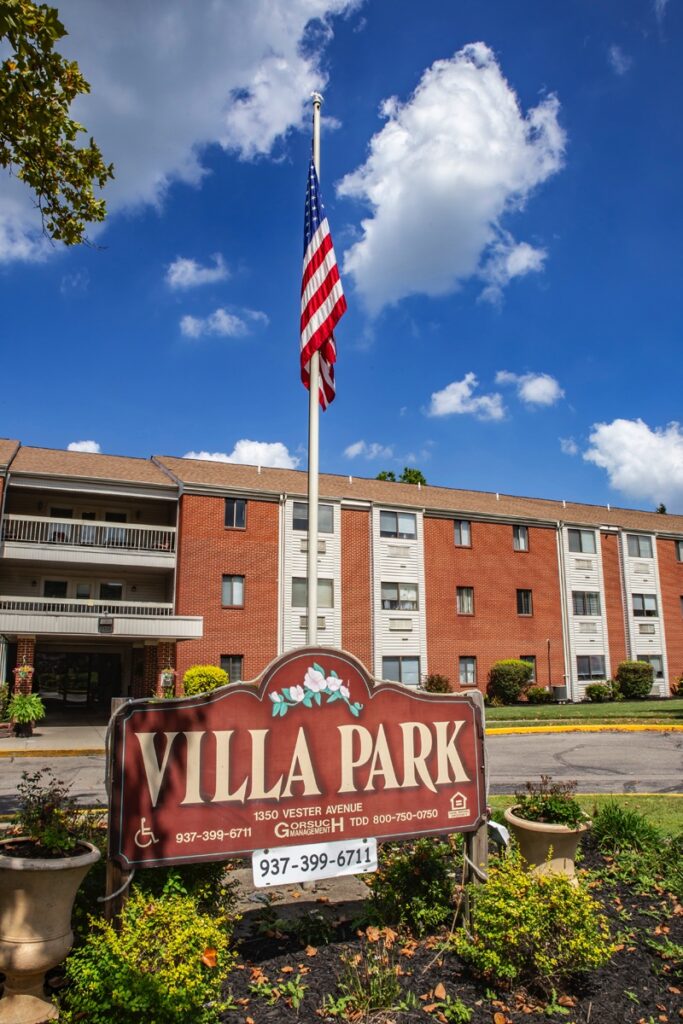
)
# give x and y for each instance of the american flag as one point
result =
(322, 297)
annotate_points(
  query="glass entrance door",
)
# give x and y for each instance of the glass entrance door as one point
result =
(77, 678)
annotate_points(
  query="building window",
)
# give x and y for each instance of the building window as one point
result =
(398, 524)
(54, 588)
(325, 517)
(520, 538)
(679, 550)
(590, 666)
(582, 541)
(656, 661)
(300, 593)
(111, 591)
(639, 546)
(233, 591)
(645, 605)
(232, 664)
(235, 513)
(586, 602)
(467, 670)
(402, 596)
(463, 533)
(531, 659)
(465, 600)
(404, 670)
(524, 603)
(83, 591)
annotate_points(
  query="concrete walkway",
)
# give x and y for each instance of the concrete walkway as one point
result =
(55, 739)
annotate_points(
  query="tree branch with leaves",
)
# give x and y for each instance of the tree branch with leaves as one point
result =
(38, 138)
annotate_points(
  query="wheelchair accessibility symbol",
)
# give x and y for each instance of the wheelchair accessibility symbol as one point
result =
(144, 836)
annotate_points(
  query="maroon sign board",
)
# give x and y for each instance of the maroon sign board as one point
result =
(314, 751)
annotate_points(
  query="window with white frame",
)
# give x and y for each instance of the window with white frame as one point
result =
(232, 595)
(397, 524)
(581, 541)
(464, 597)
(235, 513)
(530, 660)
(525, 604)
(463, 533)
(401, 669)
(590, 666)
(399, 596)
(645, 605)
(586, 602)
(300, 593)
(111, 590)
(639, 546)
(679, 550)
(467, 670)
(520, 538)
(300, 517)
(233, 664)
(656, 661)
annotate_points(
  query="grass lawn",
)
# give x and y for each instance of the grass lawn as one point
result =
(666, 812)
(645, 712)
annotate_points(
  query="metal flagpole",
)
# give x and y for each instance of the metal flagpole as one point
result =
(313, 439)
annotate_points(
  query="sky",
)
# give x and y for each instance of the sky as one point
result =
(502, 182)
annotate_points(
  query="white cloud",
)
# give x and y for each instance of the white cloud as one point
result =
(532, 388)
(84, 446)
(253, 453)
(457, 398)
(660, 8)
(441, 174)
(78, 281)
(222, 323)
(371, 450)
(619, 61)
(569, 446)
(640, 461)
(186, 273)
(166, 82)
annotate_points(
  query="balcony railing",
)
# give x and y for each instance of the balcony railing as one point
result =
(88, 533)
(74, 606)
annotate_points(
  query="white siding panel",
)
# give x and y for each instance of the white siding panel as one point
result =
(295, 565)
(587, 634)
(641, 576)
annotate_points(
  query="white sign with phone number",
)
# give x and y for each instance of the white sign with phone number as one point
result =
(314, 860)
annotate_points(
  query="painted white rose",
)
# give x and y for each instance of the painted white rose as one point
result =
(275, 697)
(296, 693)
(333, 684)
(314, 680)
(345, 692)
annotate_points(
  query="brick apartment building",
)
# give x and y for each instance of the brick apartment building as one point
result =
(112, 568)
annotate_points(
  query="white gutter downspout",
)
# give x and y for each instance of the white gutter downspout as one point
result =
(559, 537)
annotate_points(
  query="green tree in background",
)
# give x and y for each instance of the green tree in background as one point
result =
(37, 136)
(408, 476)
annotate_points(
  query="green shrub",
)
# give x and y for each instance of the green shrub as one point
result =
(25, 707)
(4, 701)
(617, 828)
(435, 683)
(532, 930)
(212, 888)
(166, 965)
(509, 678)
(599, 693)
(538, 695)
(635, 679)
(414, 884)
(551, 802)
(203, 679)
(48, 814)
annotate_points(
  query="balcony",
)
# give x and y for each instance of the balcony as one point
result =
(78, 541)
(71, 617)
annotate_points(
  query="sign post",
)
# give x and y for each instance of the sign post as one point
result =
(314, 754)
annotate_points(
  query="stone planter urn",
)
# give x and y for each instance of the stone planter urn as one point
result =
(537, 839)
(36, 900)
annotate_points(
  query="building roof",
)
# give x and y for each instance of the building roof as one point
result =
(7, 450)
(203, 475)
(43, 462)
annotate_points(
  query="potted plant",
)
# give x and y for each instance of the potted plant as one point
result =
(41, 867)
(547, 822)
(23, 710)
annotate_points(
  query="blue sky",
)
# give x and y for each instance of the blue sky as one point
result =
(503, 186)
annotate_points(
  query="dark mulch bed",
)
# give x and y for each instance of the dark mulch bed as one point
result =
(639, 985)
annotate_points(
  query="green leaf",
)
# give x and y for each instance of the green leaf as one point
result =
(354, 710)
(317, 698)
(318, 668)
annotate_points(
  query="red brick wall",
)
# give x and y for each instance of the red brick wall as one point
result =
(614, 608)
(671, 582)
(356, 585)
(495, 571)
(206, 552)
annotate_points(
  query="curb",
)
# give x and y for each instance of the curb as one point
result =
(507, 730)
(62, 752)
